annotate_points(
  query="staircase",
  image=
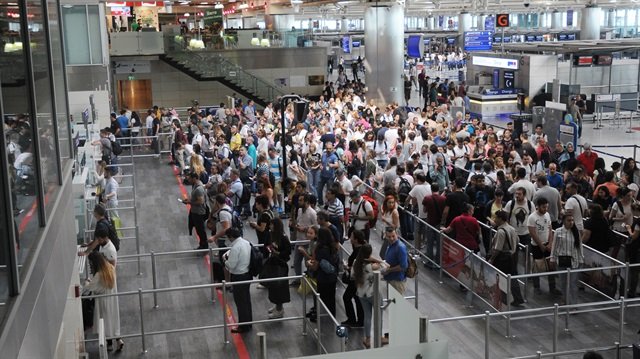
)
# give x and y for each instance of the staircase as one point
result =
(207, 66)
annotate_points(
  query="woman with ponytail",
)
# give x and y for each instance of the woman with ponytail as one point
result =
(566, 252)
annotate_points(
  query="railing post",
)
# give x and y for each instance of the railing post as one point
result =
(487, 334)
(508, 321)
(377, 314)
(566, 299)
(424, 329)
(154, 279)
(538, 354)
(627, 272)
(262, 345)
(142, 337)
(223, 305)
(305, 282)
(618, 352)
(621, 321)
(440, 239)
(213, 280)
(415, 282)
(319, 321)
(556, 314)
(527, 270)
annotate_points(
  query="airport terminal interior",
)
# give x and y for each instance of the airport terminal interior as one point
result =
(320, 179)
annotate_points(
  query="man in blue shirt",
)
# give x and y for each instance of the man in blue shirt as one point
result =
(327, 173)
(396, 257)
(123, 121)
(554, 178)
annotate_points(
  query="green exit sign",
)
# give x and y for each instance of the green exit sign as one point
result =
(131, 77)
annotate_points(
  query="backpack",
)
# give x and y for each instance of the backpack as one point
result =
(353, 169)
(374, 206)
(255, 261)
(403, 190)
(513, 204)
(246, 194)
(116, 149)
(412, 268)
(112, 233)
(481, 198)
(235, 220)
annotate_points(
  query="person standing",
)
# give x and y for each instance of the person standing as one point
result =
(503, 249)
(305, 219)
(325, 263)
(397, 258)
(416, 197)
(236, 262)
(103, 281)
(363, 277)
(198, 210)
(110, 196)
(327, 174)
(355, 319)
(540, 229)
(360, 213)
(466, 229)
(279, 251)
(262, 226)
(566, 252)
(432, 206)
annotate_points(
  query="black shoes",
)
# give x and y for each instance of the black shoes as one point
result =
(517, 303)
(352, 324)
(240, 330)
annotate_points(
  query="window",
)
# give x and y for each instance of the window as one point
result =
(82, 33)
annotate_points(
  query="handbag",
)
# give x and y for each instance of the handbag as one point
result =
(346, 277)
(541, 265)
(307, 288)
(564, 261)
(327, 267)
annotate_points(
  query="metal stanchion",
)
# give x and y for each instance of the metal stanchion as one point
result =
(262, 345)
(223, 305)
(566, 299)
(508, 321)
(319, 322)
(538, 354)
(487, 334)
(440, 259)
(627, 272)
(621, 321)
(142, 336)
(424, 329)
(213, 289)
(556, 314)
(415, 283)
(377, 314)
(304, 306)
(154, 278)
(618, 351)
(527, 270)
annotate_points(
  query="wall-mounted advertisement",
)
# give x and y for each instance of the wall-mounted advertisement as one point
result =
(509, 64)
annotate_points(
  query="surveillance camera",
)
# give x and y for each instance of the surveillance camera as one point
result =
(526, 4)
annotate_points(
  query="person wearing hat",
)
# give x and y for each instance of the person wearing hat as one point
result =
(360, 213)
(588, 158)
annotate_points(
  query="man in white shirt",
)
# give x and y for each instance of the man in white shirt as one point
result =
(306, 217)
(460, 156)
(518, 210)
(539, 223)
(221, 113)
(236, 262)
(576, 205)
(415, 198)
(530, 188)
(360, 213)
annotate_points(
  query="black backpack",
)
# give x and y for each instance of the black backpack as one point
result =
(116, 149)
(255, 261)
(403, 190)
(235, 220)
(246, 193)
(111, 230)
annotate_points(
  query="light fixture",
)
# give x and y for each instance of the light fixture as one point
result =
(296, 2)
(218, 6)
(186, 14)
(265, 43)
(243, 6)
(204, 3)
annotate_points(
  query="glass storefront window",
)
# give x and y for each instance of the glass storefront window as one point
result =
(18, 132)
(59, 81)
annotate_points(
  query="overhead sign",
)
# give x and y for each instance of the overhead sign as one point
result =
(502, 20)
(212, 16)
(509, 64)
(130, 67)
(513, 91)
(415, 47)
(490, 24)
(478, 40)
(346, 44)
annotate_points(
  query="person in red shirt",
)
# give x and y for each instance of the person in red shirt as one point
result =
(467, 229)
(433, 205)
(588, 158)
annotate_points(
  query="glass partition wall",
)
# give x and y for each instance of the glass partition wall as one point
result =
(35, 146)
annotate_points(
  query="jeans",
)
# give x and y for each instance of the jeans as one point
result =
(573, 285)
(348, 298)
(367, 307)
(313, 180)
(383, 163)
(433, 245)
(406, 225)
(420, 234)
(297, 261)
(320, 189)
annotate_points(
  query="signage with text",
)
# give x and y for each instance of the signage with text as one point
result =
(509, 77)
(509, 64)
(502, 20)
(478, 40)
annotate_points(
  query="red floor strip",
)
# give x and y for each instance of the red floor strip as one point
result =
(238, 342)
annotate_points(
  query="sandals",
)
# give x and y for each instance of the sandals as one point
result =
(366, 343)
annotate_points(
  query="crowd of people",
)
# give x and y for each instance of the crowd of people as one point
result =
(437, 172)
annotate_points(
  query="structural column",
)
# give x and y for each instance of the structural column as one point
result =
(611, 18)
(344, 24)
(431, 22)
(556, 20)
(464, 24)
(384, 53)
(590, 23)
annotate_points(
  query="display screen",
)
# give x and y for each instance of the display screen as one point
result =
(539, 38)
(413, 46)
(506, 39)
(496, 62)
(355, 44)
(478, 40)
(426, 41)
(120, 11)
(562, 37)
(584, 60)
(571, 37)
(531, 38)
(604, 60)
(497, 39)
(346, 46)
(509, 79)
(451, 40)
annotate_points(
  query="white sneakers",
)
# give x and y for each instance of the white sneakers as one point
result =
(276, 314)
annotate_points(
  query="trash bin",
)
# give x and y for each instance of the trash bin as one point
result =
(460, 76)
(519, 120)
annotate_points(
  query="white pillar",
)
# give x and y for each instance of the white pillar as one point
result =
(611, 18)
(344, 25)
(384, 53)
(464, 24)
(590, 23)
(556, 20)
(431, 22)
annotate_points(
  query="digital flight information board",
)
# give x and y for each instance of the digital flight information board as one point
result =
(478, 40)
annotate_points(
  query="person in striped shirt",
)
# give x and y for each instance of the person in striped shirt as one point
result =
(566, 252)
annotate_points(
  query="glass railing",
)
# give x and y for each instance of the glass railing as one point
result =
(211, 64)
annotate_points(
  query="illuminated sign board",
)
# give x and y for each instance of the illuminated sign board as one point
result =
(509, 64)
